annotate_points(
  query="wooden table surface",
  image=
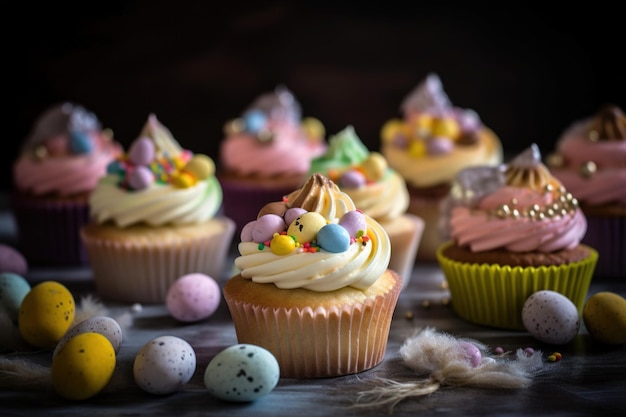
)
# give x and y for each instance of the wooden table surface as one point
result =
(590, 379)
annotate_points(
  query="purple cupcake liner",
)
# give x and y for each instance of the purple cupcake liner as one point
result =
(608, 236)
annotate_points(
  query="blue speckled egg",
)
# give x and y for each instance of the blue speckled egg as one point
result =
(242, 373)
(164, 365)
(13, 289)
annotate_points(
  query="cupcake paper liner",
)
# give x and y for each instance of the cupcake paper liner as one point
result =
(48, 230)
(317, 342)
(608, 236)
(494, 295)
(143, 271)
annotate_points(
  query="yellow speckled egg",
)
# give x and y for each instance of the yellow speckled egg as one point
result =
(83, 366)
(46, 313)
(604, 315)
(201, 166)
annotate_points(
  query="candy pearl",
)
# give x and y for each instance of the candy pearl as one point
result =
(266, 226)
(471, 353)
(352, 179)
(282, 244)
(140, 178)
(142, 151)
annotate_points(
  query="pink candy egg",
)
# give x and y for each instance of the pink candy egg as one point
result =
(193, 297)
(293, 213)
(352, 179)
(471, 353)
(140, 178)
(353, 221)
(141, 151)
(266, 226)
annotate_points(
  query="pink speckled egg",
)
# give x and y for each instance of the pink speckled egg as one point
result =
(193, 297)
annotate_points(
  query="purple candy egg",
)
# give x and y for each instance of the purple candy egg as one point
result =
(293, 213)
(142, 151)
(352, 179)
(471, 353)
(246, 231)
(140, 178)
(439, 146)
(353, 221)
(333, 238)
(11, 260)
(265, 227)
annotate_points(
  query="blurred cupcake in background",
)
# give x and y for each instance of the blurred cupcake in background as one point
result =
(59, 165)
(590, 160)
(428, 145)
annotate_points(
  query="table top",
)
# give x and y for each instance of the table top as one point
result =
(590, 379)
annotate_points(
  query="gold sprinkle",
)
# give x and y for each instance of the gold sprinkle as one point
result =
(514, 201)
(594, 136)
(444, 285)
(234, 126)
(426, 303)
(445, 301)
(265, 136)
(408, 315)
(588, 169)
(108, 134)
(41, 152)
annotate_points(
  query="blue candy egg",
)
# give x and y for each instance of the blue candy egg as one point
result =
(255, 120)
(242, 373)
(333, 238)
(13, 289)
(80, 142)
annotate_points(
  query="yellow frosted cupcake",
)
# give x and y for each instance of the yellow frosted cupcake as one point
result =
(513, 230)
(428, 146)
(153, 219)
(314, 286)
(377, 190)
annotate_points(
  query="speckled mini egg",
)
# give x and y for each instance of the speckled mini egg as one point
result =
(551, 317)
(242, 373)
(46, 313)
(305, 227)
(164, 365)
(604, 315)
(13, 289)
(83, 367)
(193, 297)
(106, 326)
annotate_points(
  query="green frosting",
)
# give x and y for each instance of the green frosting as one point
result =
(344, 149)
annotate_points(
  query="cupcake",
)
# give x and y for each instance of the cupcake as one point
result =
(431, 143)
(314, 286)
(59, 164)
(266, 153)
(377, 190)
(590, 160)
(514, 230)
(153, 219)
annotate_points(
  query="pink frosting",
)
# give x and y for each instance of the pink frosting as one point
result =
(608, 183)
(482, 229)
(67, 174)
(290, 152)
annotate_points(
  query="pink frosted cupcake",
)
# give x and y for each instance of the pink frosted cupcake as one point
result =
(314, 286)
(590, 160)
(513, 230)
(60, 164)
(153, 219)
(266, 153)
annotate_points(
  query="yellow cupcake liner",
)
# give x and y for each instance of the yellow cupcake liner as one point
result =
(494, 295)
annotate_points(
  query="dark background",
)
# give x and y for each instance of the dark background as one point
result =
(527, 70)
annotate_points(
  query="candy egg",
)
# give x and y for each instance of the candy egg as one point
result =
(282, 244)
(106, 326)
(13, 289)
(265, 227)
(193, 297)
(395, 131)
(83, 367)
(375, 166)
(11, 260)
(354, 222)
(139, 178)
(550, 317)
(254, 120)
(292, 213)
(471, 353)
(604, 315)
(46, 313)
(439, 145)
(164, 365)
(333, 238)
(313, 128)
(305, 227)
(142, 151)
(80, 142)
(242, 373)
(352, 179)
(201, 166)
(446, 127)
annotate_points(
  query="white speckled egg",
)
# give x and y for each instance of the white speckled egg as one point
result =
(106, 326)
(242, 373)
(551, 317)
(193, 297)
(164, 365)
